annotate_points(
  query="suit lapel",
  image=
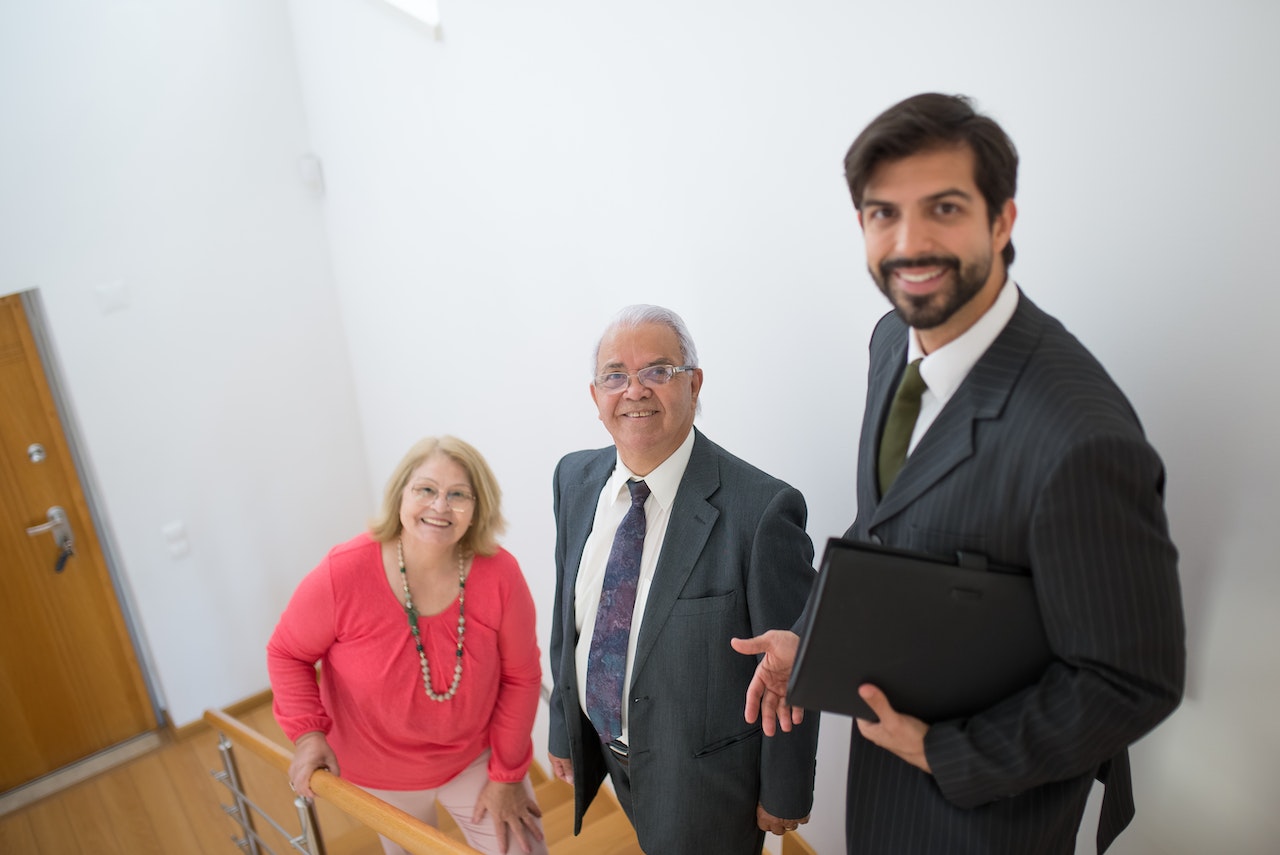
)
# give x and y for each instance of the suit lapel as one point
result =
(688, 527)
(888, 360)
(950, 439)
(578, 502)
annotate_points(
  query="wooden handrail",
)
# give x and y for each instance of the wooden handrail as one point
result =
(415, 836)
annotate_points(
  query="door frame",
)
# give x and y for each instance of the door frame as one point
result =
(39, 326)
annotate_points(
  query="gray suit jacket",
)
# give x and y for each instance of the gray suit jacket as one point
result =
(736, 562)
(1038, 461)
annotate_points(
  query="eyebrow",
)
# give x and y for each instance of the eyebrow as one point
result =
(422, 482)
(934, 197)
(611, 367)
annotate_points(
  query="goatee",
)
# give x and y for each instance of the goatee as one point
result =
(924, 312)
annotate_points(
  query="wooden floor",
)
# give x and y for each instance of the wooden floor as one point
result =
(168, 802)
(165, 801)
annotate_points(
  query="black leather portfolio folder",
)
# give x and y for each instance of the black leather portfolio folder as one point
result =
(943, 639)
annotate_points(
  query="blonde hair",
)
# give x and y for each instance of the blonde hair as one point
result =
(486, 521)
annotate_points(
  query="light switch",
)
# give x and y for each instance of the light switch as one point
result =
(175, 535)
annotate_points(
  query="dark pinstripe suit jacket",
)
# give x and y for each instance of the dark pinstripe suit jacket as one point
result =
(1038, 461)
(736, 561)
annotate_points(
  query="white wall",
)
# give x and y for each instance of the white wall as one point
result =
(155, 145)
(494, 197)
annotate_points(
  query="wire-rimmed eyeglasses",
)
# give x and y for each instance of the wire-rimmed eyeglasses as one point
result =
(654, 375)
(454, 500)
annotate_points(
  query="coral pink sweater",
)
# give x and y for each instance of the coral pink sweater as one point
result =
(386, 733)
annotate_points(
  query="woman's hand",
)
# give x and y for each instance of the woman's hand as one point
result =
(311, 752)
(510, 807)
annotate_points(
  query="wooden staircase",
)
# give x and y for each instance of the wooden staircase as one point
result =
(605, 828)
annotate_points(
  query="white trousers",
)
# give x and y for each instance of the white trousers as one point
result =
(458, 797)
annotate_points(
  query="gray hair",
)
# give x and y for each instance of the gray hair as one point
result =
(641, 314)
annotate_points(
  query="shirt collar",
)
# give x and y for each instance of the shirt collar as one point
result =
(663, 481)
(945, 369)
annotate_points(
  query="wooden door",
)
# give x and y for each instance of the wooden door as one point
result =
(70, 682)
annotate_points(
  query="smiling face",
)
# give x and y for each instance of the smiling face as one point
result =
(931, 245)
(431, 522)
(647, 423)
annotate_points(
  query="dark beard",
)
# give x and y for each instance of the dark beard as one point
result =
(934, 310)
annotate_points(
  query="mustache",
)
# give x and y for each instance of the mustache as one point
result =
(891, 264)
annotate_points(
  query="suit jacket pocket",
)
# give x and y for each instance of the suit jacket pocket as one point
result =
(728, 742)
(704, 605)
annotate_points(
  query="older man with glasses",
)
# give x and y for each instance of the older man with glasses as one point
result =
(667, 547)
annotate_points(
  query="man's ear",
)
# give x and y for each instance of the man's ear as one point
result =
(1002, 227)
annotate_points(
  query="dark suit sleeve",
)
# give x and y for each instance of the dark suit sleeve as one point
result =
(778, 583)
(1105, 572)
(558, 736)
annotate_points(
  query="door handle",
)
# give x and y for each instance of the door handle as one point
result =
(62, 535)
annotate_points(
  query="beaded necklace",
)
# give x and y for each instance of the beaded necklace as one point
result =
(412, 614)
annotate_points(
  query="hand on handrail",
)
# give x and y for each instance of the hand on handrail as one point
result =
(311, 752)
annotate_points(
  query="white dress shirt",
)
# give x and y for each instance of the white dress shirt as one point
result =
(945, 369)
(615, 501)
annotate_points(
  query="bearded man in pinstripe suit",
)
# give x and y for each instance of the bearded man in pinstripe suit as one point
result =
(1024, 451)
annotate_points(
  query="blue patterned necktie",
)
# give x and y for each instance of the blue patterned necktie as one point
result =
(607, 659)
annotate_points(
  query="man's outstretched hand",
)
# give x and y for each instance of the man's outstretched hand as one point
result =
(767, 694)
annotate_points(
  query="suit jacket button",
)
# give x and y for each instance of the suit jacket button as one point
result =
(875, 538)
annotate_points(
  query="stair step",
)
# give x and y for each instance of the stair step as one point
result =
(552, 793)
(557, 823)
(358, 841)
(794, 844)
(611, 834)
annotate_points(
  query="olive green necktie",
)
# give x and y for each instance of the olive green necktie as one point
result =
(899, 425)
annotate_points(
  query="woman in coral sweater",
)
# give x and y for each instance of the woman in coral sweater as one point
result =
(429, 665)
